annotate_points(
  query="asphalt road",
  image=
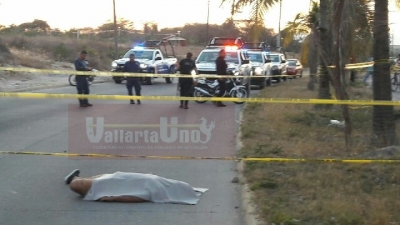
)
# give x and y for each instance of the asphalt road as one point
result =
(32, 189)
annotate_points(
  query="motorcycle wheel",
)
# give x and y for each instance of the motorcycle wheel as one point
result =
(197, 93)
(240, 93)
(72, 80)
(90, 80)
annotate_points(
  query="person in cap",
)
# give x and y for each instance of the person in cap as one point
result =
(133, 66)
(186, 66)
(82, 84)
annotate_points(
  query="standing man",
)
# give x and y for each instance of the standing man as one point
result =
(221, 70)
(133, 66)
(186, 66)
(82, 84)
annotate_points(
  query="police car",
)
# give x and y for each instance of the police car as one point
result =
(151, 60)
(261, 65)
(237, 62)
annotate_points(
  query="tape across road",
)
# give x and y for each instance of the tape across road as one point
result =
(359, 161)
(120, 74)
(28, 95)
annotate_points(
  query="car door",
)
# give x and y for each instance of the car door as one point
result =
(284, 64)
(267, 65)
(299, 67)
(159, 64)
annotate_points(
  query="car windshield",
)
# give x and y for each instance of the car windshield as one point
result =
(256, 57)
(292, 63)
(274, 58)
(140, 54)
(210, 57)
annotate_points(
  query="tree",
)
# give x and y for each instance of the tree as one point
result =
(384, 131)
(258, 10)
(324, 50)
(35, 26)
(305, 25)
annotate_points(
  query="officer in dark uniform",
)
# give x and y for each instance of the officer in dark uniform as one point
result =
(221, 70)
(132, 66)
(82, 84)
(186, 66)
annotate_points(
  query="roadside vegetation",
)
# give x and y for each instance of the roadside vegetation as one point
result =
(316, 192)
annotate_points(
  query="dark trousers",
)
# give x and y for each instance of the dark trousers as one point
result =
(185, 92)
(133, 83)
(82, 86)
(222, 88)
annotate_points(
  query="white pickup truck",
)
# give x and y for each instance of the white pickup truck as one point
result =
(151, 61)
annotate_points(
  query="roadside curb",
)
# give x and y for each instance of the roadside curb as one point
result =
(250, 211)
(48, 87)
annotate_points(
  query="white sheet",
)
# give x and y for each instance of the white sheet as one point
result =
(149, 187)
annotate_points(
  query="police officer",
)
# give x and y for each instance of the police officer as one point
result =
(186, 66)
(221, 70)
(132, 66)
(82, 84)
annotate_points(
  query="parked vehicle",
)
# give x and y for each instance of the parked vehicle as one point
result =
(208, 88)
(151, 60)
(294, 68)
(261, 65)
(279, 66)
(238, 62)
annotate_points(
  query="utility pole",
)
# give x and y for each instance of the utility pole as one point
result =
(115, 33)
(279, 26)
(208, 17)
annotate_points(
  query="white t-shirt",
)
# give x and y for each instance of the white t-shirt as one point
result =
(149, 187)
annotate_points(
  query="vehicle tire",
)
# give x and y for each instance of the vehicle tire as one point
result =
(71, 80)
(118, 81)
(197, 93)
(263, 84)
(268, 82)
(149, 80)
(278, 80)
(90, 80)
(171, 71)
(394, 84)
(240, 93)
(301, 74)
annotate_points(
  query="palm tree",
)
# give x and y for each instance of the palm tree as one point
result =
(305, 25)
(384, 128)
(258, 10)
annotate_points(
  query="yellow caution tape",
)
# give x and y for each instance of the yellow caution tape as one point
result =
(177, 98)
(121, 74)
(363, 161)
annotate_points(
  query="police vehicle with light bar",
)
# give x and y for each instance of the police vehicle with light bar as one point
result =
(261, 65)
(151, 60)
(237, 62)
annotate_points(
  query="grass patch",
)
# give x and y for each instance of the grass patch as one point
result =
(315, 193)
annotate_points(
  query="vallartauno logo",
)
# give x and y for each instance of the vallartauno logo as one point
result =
(167, 133)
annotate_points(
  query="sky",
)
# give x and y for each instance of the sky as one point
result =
(66, 14)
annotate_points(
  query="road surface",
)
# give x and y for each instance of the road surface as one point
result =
(32, 189)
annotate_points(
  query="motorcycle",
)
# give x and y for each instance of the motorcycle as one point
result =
(72, 80)
(90, 79)
(207, 88)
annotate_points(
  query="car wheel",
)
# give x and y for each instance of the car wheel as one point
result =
(169, 80)
(118, 81)
(268, 82)
(171, 71)
(262, 86)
